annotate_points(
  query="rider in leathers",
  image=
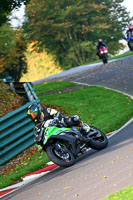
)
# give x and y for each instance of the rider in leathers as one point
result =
(42, 115)
(129, 34)
(100, 45)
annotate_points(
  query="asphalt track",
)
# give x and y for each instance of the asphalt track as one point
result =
(97, 173)
(116, 75)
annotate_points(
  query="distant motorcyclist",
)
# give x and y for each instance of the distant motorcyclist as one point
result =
(100, 45)
(129, 34)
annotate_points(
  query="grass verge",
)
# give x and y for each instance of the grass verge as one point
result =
(126, 194)
(100, 107)
(32, 161)
(129, 53)
(52, 86)
(103, 108)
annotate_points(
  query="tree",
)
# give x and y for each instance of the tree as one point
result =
(6, 6)
(70, 29)
(7, 43)
(39, 64)
(12, 53)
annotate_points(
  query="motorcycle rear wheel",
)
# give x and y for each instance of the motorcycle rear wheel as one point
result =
(99, 140)
(63, 159)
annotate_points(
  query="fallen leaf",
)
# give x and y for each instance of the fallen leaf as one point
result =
(67, 187)
(92, 175)
(122, 158)
(25, 164)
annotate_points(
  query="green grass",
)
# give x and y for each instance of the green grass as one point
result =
(32, 163)
(103, 108)
(100, 107)
(126, 194)
(52, 86)
(112, 57)
(121, 55)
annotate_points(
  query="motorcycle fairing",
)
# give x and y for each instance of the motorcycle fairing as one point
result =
(62, 134)
(53, 130)
(131, 38)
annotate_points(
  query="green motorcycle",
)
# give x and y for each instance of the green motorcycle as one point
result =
(63, 144)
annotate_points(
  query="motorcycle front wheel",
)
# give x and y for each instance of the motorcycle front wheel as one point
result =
(60, 156)
(98, 140)
(105, 59)
(130, 45)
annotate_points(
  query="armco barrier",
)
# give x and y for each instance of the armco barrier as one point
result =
(30, 92)
(16, 129)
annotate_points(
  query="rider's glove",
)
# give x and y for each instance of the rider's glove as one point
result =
(85, 127)
(56, 120)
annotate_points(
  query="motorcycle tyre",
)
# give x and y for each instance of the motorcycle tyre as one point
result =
(94, 144)
(130, 45)
(56, 160)
(105, 59)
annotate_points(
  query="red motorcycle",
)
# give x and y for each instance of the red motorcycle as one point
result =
(104, 54)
